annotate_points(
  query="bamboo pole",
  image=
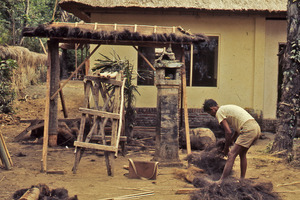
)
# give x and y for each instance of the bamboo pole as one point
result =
(31, 194)
(186, 118)
(75, 72)
(76, 59)
(4, 154)
(44, 49)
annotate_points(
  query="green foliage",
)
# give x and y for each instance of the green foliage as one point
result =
(17, 14)
(295, 52)
(6, 93)
(107, 64)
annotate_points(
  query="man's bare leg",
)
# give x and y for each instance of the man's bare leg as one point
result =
(235, 150)
(243, 161)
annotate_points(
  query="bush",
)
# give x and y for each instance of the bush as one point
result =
(7, 94)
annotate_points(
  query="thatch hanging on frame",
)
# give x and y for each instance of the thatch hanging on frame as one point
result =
(114, 32)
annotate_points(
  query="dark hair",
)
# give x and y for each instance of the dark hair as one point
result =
(208, 103)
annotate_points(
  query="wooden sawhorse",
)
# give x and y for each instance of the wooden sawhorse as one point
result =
(106, 113)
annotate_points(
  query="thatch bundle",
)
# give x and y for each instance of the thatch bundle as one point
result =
(233, 189)
(212, 162)
(45, 193)
(31, 66)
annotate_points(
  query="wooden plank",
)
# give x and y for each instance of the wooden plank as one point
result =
(99, 113)
(63, 104)
(94, 146)
(108, 138)
(29, 128)
(104, 80)
(41, 120)
(186, 190)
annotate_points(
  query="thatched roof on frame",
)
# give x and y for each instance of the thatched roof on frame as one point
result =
(113, 33)
(253, 5)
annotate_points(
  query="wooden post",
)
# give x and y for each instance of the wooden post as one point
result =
(51, 121)
(184, 100)
(54, 85)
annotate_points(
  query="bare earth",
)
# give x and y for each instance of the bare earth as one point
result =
(91, 181)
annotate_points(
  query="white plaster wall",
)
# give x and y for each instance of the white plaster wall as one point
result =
(275, 34)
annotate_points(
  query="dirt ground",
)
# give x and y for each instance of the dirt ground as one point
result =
(91, 181)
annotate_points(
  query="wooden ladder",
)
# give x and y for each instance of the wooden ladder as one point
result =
(106, 112)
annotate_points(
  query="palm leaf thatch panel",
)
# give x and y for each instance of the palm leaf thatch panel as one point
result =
(114, 32)
(253, 5)
(23, 56)
(31, 67)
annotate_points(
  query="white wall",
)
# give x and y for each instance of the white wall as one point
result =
(275, 34)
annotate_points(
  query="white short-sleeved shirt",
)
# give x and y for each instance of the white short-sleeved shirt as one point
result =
(234, 115)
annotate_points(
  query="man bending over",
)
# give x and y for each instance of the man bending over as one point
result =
(247, 130)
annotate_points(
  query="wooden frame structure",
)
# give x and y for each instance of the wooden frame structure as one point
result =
(107, 106)
(94, 33)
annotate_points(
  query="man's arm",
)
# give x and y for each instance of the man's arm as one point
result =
(228, 134)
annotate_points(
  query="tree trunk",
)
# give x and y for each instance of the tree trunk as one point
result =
(288, 108)
(21, 39)
(129, 118)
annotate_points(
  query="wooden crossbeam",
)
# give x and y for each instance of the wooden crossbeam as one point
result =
(99, 113)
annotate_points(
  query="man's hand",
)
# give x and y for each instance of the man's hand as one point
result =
(225, 151)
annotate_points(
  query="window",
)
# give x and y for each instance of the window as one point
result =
(146, 74)
(204, 66)
(201, 63)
